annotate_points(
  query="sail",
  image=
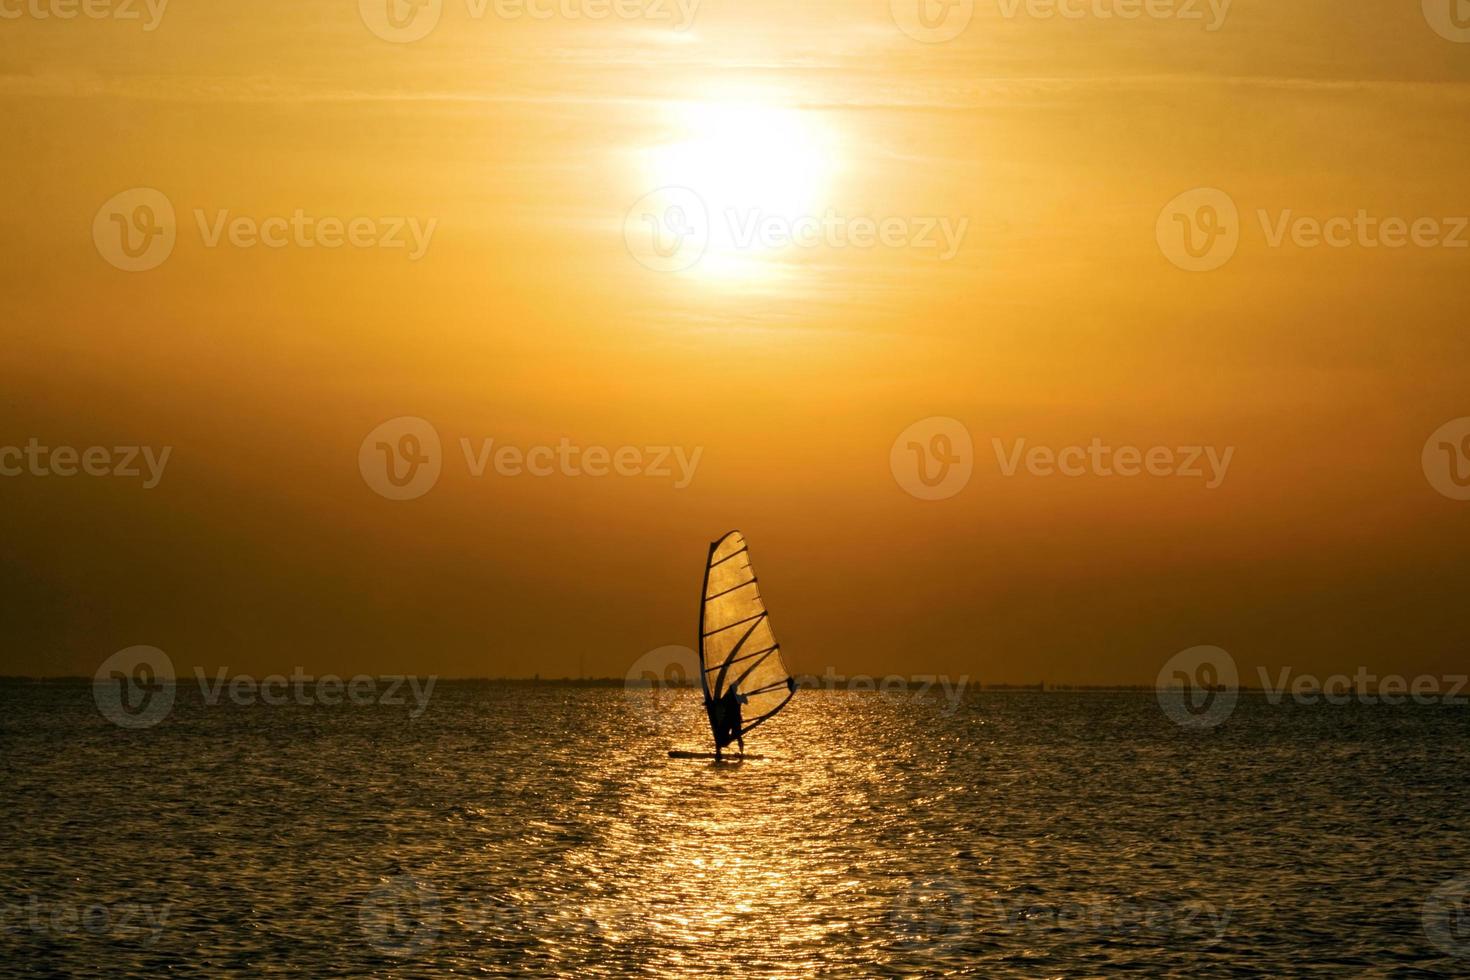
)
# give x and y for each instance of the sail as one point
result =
(736, 646)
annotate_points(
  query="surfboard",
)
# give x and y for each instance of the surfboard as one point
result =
(728, 757)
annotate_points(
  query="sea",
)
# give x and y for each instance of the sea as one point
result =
(541, 830)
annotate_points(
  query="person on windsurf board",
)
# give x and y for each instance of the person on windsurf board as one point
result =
(729, 726)
(744, 678)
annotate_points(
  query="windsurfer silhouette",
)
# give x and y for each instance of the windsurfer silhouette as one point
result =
(728, 721)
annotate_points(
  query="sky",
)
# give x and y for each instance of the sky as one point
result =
(514, 184)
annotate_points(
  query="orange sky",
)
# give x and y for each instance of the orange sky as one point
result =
(528, 318)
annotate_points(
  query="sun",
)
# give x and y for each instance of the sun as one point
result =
(747, 155)
(751, 163)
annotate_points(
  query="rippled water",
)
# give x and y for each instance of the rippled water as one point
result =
(512, 831)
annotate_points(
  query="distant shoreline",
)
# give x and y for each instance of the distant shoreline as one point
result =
(804, 682)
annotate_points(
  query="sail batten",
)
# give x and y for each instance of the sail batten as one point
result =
(728, 557)
(731, 589)
(747, 660)
(733, 625)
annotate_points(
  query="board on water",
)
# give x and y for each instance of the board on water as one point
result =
(728, 756)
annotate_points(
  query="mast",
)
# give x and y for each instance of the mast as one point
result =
(709, 703)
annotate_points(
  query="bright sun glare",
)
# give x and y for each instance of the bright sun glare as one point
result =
(747, 161)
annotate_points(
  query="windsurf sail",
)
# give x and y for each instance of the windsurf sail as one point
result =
(737, 650)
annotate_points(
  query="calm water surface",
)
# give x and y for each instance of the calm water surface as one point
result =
(511, 831)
